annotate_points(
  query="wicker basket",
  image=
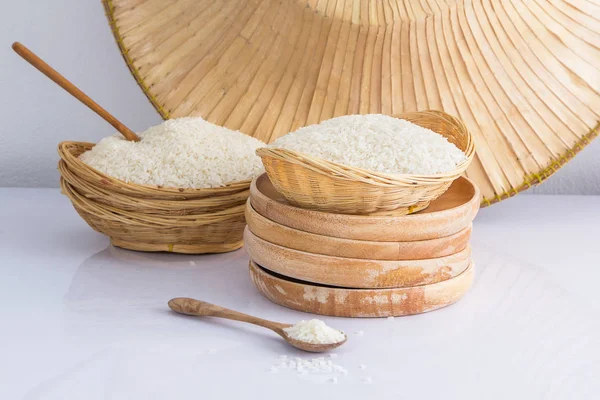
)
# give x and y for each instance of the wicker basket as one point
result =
(318, 184)
(147, 218)
(69, 152)
(151, 206)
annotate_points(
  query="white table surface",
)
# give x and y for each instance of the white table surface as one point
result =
(83, 320)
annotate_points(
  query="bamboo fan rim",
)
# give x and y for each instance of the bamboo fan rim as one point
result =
(109, 11)
(65, 150)
(537, 178)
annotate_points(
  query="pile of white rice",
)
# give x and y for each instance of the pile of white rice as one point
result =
(184, 153)
(314, 331)
(375, 142)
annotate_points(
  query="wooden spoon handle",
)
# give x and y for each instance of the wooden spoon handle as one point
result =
(51, 73)
(187, 306)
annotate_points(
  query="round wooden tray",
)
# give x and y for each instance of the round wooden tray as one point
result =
(522, 75)
(340, 302)
(318, 244)
(447, 215)
(353, 272)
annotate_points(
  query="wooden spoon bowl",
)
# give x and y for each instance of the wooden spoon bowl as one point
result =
(193, 307)
(312, 347)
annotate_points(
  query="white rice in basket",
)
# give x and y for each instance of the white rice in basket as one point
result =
(375, 142)
(184, 153)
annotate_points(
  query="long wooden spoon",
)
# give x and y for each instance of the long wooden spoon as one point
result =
(51, 73)
(187, 306)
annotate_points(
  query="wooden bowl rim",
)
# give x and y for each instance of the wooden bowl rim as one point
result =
(467, 250)
(254, 267)
(354, 272)
(349, 242)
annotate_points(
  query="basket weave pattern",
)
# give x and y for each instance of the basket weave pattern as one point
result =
(318, 184)
(148, 218)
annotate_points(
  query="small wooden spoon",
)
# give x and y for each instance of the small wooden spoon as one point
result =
(51, 73)
(187, 306)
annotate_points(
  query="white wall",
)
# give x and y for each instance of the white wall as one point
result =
(74, 37)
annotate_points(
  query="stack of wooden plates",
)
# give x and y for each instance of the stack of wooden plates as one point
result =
(361, 265)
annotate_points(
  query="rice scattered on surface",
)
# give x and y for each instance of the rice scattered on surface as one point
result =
(184, 153)
(375, 142)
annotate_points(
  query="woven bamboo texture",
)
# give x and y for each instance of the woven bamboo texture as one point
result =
(523, 75)
(147, 218)
(151, 206)
(70, 151)
(318, 184)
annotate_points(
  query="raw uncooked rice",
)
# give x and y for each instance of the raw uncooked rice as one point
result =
(314, 331)
(313, 366)
(184, 153)
(375, 142)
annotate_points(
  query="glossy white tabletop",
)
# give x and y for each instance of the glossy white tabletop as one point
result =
(83, 320)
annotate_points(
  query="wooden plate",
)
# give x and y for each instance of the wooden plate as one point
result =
(318, 244)
(450, 213)
(340, 302)
(353, 272)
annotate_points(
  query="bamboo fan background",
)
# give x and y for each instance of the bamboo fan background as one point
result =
(524, 75)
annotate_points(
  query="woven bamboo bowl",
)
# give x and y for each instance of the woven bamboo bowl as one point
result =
(151, 206)
(70, 151)
(317, 184)
(149, 218)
